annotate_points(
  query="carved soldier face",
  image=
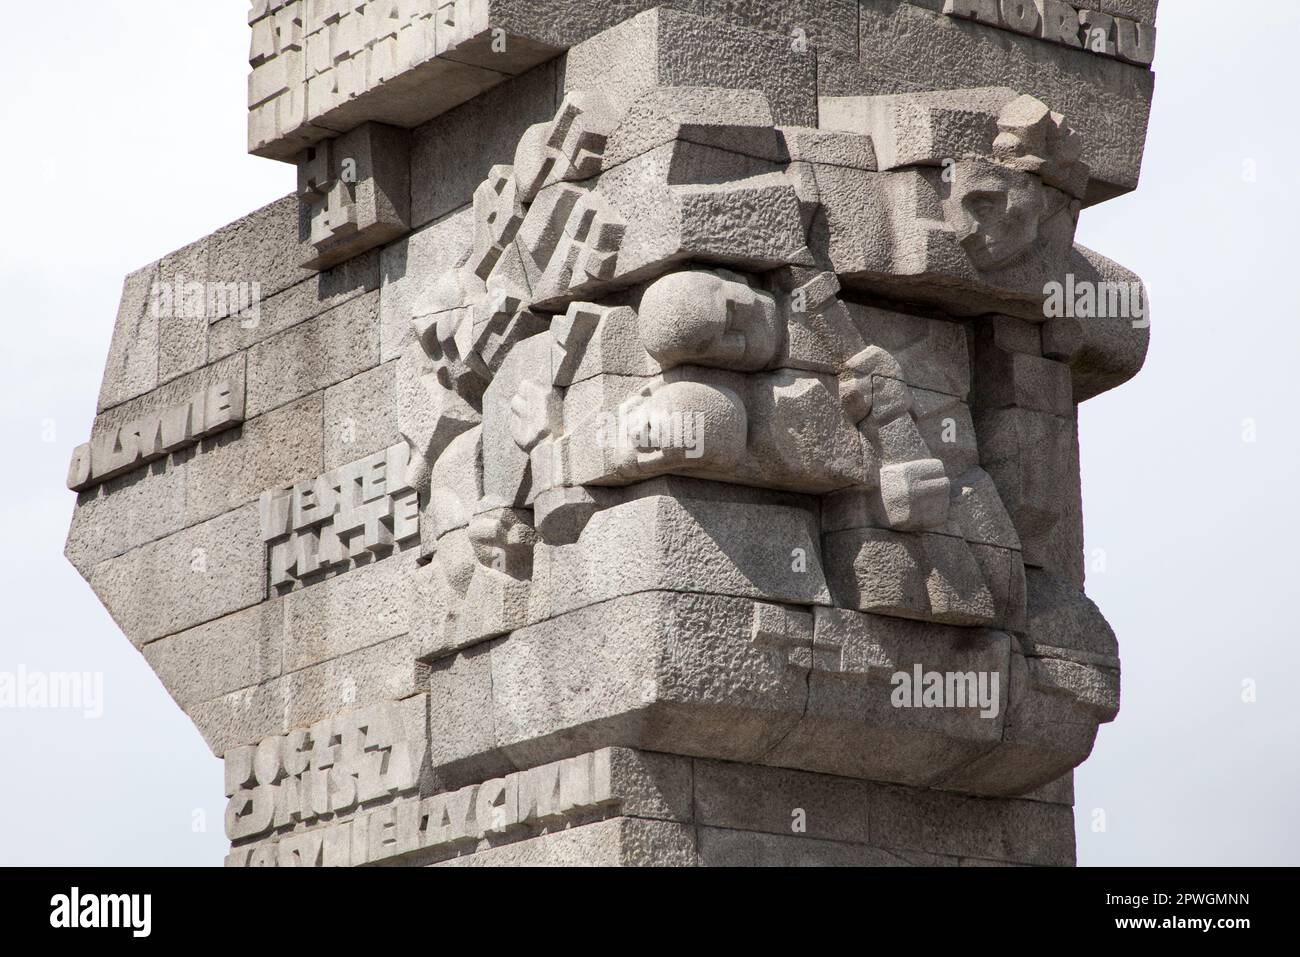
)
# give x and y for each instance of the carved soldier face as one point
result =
(995, 212)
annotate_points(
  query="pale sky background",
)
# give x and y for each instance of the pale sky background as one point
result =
(124, 133)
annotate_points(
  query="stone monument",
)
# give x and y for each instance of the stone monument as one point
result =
(646, 435)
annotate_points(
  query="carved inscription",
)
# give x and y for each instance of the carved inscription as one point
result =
(511, 806)
(152, 436)
(351, 515)
(332, 767)
(1059, 22)
(310, 57)
(357, 192)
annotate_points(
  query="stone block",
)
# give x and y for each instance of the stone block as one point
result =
(1009, 379)
(183, 319)
(610, 347)
(945, 425)
(736, 121)
(652, 785)
(922, 129)
(820, 335)
(1007, 334)
(1142, 11)
(1061, 616)
(432, 601)
(232, 469)
(132, 365)
(656, 670)
(798, 437)
(126, 512)
(463, 720)
(360, 416)
(429, 257)
(766, 552)
(664, 47)
(864, 721)
(452, 154)
(779, 800)
(1004, 572)
(238, 651)
(1101, 325)
(979, 512)
(185, 579)
(305, 300)
(1032, 457)
(723, 847)
(828, 147)
(370, 605)
(266, 247)
(363, 199)
(617, 842)
(386, 671)
(495, 604)
(1060, 791)
(933, 577)
(315, 354)
(241, 718)
(1029, 832)
(683, 201)
(1051, 725)
(931, 353)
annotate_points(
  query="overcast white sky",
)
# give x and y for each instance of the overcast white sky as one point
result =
(124, 139)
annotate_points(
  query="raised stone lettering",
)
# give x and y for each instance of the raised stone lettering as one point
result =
(358, 511)
(986, 11)
(1057, 21)
(506, 808)
(151, 436)
(1021, 16)
(1060, 22)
